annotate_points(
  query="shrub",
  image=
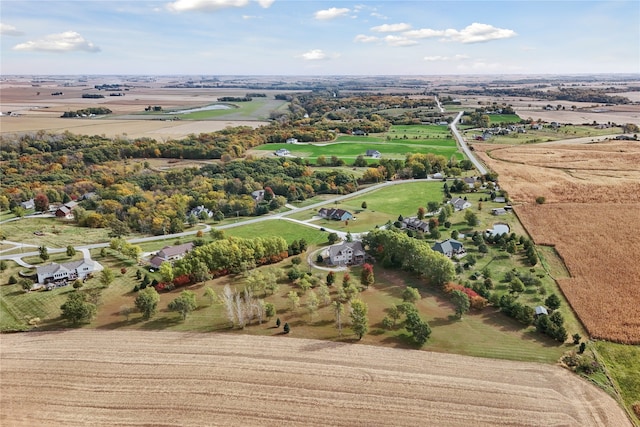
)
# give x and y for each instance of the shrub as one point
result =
(296, 260)
(540, 200)
(286, 328)
(13, 280)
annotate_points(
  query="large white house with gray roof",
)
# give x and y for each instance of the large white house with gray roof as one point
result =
(67, 271)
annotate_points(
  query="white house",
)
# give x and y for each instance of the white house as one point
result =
(346, 253)
(67, 271)
(292, 141)
(29, 204)
(373, 153)
(459, 204)
(282, 152)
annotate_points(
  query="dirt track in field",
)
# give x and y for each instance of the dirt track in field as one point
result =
(101, 378)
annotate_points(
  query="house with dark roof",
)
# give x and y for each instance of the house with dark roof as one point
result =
(373, 153)
(66, 210)
(358, 132)
(470, 181)
(498, 211)
(170, 254)
(450, 248)
(67, 271)
(346, 253)
(335, 214)
(459, 204)
(413, 223)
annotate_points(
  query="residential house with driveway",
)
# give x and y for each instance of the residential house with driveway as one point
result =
(170, 254)
(450, 248)
(413, 223)
(335, 214)
(67, 271)
(66, 210)
(373, 153)
(459, 204)
(346, 253)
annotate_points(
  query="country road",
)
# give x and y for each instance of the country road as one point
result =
(465, 148)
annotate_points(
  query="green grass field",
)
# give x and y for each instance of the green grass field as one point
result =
(288, 230)
(504, 118)
(256, 109)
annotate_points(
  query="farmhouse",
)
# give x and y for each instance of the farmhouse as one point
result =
(470, 181)
(29, 204)
(199, 211)
(373, 153)
(346, 253)
(170, 254)
(413, 223)
(335, 214)
(73, 270)
(282, 152)
(459, 204)
(450, 248)
(66, 210)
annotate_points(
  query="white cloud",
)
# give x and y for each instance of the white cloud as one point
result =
(478, 33)
(446, 58)
(204, 5)
(265, 4)
(362, 38)
(399, 41)
(68, 41)
(474, 33)
(10, 30)
(423, 33)
(314, 55)
(334, 12)
(378, 15)
(391, 28)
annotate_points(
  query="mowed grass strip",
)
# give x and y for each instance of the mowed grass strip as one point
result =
(288, 230)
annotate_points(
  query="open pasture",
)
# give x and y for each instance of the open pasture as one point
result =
(278, 380)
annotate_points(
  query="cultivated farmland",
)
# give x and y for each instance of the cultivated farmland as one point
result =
(592, 194)
(195, 379)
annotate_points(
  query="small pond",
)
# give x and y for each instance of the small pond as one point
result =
(195, 110)
(498, 229)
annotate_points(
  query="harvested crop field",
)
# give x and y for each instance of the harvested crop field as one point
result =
(598, 244)
(104, 378)
(591, 215)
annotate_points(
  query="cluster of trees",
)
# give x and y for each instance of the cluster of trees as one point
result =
(397, 250)
(234, 99)
(232, 255)
(418, 329)
(86, 112)
(563, 93)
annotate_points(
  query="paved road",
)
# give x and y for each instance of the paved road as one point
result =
(465, 148)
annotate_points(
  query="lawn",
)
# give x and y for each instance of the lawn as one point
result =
(288, 230)
(56, 233)
(504, 118)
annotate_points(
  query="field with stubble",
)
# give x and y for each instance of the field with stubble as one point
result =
(104, 378)
(592, 217)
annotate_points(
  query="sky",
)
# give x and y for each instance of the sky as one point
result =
(278, 37)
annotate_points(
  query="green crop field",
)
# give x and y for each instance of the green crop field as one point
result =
(504, 118)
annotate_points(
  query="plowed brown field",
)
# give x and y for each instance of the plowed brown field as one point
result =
(591, 216)
(126, 378)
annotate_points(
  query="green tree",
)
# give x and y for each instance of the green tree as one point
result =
(516, 285)
(394, 313)
(461, 302)
(106, 277)
(211, 295)
(333, 238)
(278, 322)
(471, 218)
(324, 295)
(331, 278)
(410, 294)
(77, 309)
(184, 304)
(432, 206)
(147, 302)
(294, 300)
(71, 251)
(364, 205)
(3, 265)
(25, 284)
(286, 329)
(421, 213)
(44, 252)
(269, 310)
(359, 318)
(312, 304)
(553, 302)
(166, 272)
(419, 329)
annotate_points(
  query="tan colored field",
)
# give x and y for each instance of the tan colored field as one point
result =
(591, 216)
(104, 378)
(598, 242)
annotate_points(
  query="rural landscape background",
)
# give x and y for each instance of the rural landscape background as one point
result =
(265, 210)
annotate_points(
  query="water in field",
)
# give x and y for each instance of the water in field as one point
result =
(195, 110)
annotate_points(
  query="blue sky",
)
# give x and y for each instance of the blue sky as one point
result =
(276, 37)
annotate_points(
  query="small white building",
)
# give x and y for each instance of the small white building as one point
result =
(282, 152)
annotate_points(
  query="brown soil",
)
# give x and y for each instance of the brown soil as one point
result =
(100, 378)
